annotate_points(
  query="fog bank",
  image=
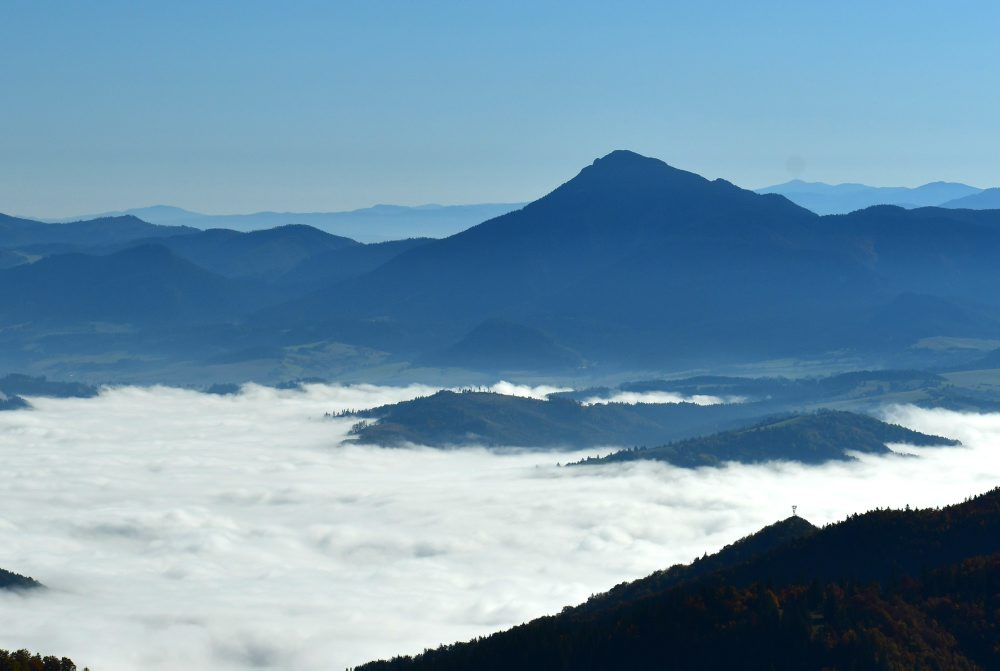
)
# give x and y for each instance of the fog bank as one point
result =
(185, 530)
(633, 397)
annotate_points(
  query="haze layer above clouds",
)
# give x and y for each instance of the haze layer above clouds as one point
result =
(183, 530)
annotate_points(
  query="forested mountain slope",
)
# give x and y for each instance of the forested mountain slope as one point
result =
(889, 589)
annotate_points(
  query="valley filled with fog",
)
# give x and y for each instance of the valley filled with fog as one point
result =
(177, 529)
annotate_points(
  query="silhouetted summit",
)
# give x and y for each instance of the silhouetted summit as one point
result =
(623, 171)
(607, 261)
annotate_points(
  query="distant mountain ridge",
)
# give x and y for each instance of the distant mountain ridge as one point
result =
(378, 223)
(26, 233)
(988, 199)
(264, 253)
(823, 198)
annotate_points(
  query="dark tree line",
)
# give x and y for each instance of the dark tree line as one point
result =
(23, 660)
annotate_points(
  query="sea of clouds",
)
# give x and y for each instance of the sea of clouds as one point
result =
(634, 397)
(180, 530)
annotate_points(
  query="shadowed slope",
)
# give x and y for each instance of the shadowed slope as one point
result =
(146, 284)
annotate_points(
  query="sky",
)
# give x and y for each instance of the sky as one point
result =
(181, 530)
(300, 106)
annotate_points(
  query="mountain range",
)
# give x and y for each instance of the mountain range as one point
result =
(637, 263)
(378, 223)
(630, 265)
(824, 198)
(34, 238)
(988, 199)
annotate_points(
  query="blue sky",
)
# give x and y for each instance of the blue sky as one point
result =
(243, 106)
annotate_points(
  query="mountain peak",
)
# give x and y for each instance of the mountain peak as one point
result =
(622, 156)
(626, 170)
(624, 159)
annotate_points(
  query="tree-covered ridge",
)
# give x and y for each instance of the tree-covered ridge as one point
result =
(482, 418)
(890, 589)
(11, 580)
(942, 621)
(24, 660)
(809, 438)
(744, 550)
(450, 418)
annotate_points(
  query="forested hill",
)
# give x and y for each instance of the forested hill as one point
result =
(809, 438)
(450, 418)
(10, 580)
(889, 589)
(742, 551)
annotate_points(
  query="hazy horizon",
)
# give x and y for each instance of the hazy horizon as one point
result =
(417, 205)
(248, 107)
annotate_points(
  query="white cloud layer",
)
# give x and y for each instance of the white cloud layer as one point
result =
(539, 392)
(179, 530)
(633, 397)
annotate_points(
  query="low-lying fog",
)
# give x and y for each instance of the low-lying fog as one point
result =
(633, 397)
(180, 530)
